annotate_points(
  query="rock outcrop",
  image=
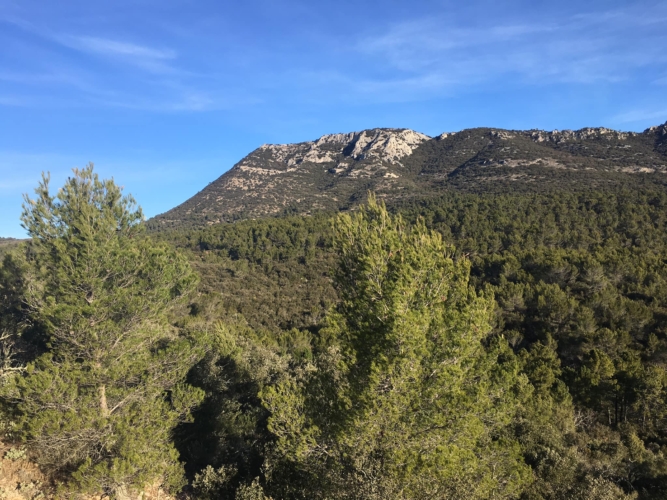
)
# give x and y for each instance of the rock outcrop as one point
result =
(382, 145)
(578, 135)
(335, 171)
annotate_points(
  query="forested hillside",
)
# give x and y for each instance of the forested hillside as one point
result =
(7, 244)
(580, 287)
(469, 345)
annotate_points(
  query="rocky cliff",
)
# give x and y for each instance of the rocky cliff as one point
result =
(335, 171)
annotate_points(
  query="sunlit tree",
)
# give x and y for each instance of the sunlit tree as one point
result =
(100, 401)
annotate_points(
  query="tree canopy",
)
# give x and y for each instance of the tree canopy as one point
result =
(105, 387)
(407, 401)
(490, 346)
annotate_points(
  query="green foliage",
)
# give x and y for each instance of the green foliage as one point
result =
(476, 345)
(406, 401)
(12, 315)
(275, 273)
(579, 281)
(100, 399)
(227, 441)
(7, 245)
(14, 454)
(211, 483)
(253, 491)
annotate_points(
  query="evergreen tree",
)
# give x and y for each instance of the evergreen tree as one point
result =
(100, 401)
(408, 398)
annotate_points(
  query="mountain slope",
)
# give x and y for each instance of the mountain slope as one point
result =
(336, 170)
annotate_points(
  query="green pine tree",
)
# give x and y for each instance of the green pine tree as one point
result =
(101, 400)
(410, 398)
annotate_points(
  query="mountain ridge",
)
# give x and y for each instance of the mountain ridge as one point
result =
(334, 171)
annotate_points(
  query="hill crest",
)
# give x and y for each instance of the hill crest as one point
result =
(335, 171)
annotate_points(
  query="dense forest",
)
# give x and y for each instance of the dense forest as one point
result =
(464, 346)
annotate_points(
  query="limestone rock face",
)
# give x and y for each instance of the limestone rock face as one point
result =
(659, 133)
(383, 145)
(659, 130)
(577, 135)
(276, 176)
(336, 171)
(386, 145)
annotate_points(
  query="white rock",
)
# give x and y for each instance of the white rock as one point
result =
(388, 145)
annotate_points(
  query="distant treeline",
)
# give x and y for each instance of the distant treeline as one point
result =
(7, 244)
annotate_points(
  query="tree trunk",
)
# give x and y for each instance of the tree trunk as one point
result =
(121, 493)
(103, 401)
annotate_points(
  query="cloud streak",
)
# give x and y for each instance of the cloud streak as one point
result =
(110, 47)
(435, 54)
(410, 60)
(142, 56)
(103, 72)
(641, 115)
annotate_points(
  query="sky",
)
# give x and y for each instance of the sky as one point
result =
(166, 95)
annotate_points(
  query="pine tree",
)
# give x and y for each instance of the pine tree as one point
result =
(409, 399)
(101, 400)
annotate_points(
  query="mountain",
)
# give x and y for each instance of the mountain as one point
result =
(335, 171)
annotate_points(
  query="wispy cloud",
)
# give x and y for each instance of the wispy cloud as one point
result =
(641, 115)
(109, 47)
(107, 76)
(148, 58)
(424, 42)
(435, 54)
(180, 101)
(387, 61)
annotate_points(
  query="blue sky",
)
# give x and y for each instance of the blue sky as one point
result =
(167, 95)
